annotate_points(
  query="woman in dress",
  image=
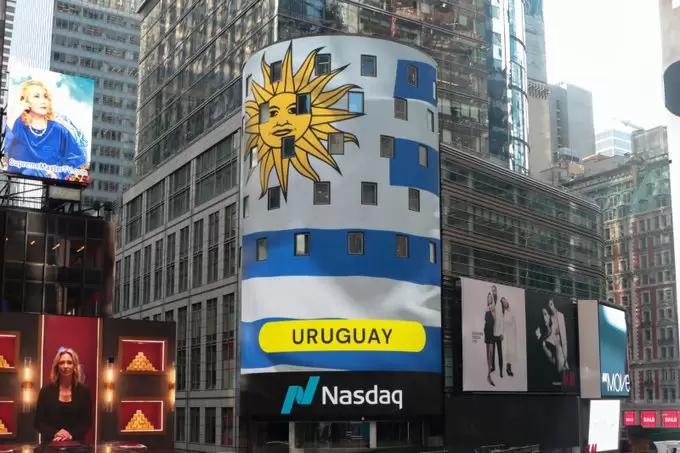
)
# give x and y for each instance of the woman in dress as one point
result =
(509, 336)
(489, 316)
(550, 343)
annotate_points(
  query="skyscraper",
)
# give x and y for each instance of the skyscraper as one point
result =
(541, 156)
(98, 39)
(7, 9)
(571, 119)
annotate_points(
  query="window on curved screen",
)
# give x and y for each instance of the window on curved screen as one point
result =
(603, 429)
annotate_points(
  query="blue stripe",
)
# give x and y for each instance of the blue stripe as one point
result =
(424, 91)
(405, 168)
(328, 256)
(427, 360)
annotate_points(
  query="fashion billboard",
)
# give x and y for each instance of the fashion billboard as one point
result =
(48, 132)
(517, 341)
(120, 374)
(615, 381)
(350, 282)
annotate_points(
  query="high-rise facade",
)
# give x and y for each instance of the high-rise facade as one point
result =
(614, 142)
(571, 119)
(541, 156)
(634, 194)
(98, 39)
(7, 8)
(178, 252)
(669, 14)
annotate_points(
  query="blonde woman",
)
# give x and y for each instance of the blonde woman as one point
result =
(38, 145)
(64, 409)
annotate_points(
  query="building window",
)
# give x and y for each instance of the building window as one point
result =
(323, 64)
(355, 243)
(210, 425)
(248, 80)
(369, 193)
(197, 268)
(288, 147)
(261, 252)
(264, 112)
(246, 210)
(303, 104)
(275, 72)
(400, 109)
(229, 323)
(355, 101)
(336, 143)
(412, 75)
(253, 157)
(322, 193)
(227, 426)
(402, 246)
(430, 120)
(369, 66)
(213, 245)
(414, 200)
(170, 270)
(180, 424)
(274, 198)
(301, 244)
(211, 345)
(194, 424)
(387, 146)
(183, 279)
(433, 253)
(230, 221)
(422, 155)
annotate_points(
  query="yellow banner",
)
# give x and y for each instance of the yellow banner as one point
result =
(342, 335)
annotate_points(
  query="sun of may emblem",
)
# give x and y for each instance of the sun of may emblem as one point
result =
(290, 119)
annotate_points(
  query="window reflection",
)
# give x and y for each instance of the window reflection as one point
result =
(332, 434)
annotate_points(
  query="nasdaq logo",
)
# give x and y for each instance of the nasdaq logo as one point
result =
(302, 396)
(616, 383)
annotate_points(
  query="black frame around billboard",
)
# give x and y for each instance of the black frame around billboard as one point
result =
(262, 396)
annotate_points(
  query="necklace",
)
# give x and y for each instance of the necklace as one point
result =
(37, 132)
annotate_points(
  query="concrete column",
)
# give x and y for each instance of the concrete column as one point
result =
(291, 439)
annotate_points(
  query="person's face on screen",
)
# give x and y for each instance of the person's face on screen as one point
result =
(489, 302)
(38, 100)
(551, 306)
(66, 365)
(494, 291)
(546, 317)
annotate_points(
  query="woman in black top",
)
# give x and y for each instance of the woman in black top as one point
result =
(488, 335)
(64, 409)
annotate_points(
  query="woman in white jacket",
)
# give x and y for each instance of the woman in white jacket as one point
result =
(510, 336)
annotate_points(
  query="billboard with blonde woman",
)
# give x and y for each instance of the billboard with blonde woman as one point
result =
(48, 132)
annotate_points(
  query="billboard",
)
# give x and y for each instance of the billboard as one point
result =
(615, 381)
(48, 132)
(120, 373)
(516, 340)
(603, 369)
(604, 425)
(341, 241)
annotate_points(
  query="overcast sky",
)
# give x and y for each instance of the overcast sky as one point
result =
(613, 49)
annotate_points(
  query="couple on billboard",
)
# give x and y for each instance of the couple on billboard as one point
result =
(40, 141)
(500, 334)
(552, 335)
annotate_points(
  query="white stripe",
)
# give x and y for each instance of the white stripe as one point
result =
(340, 297)
(283, 369)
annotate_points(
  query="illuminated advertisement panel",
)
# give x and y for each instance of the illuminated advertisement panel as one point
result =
(48, 132)
(341, 290)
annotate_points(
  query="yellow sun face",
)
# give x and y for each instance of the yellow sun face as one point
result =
(294, 109)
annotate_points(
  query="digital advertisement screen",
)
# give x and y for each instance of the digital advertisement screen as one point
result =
(120, 373)
(330, 312)
(604, 425)
(613, 330)
(48, 134)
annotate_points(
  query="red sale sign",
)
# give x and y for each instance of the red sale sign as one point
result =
(648, 419)
(669, 419)
(629, 418)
